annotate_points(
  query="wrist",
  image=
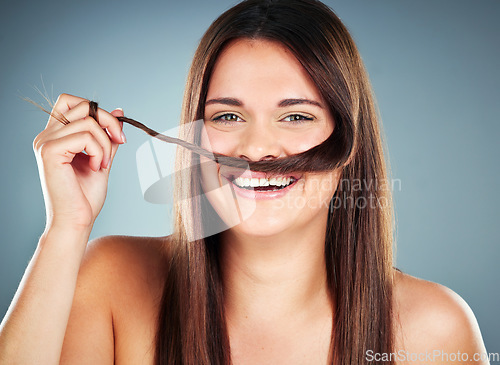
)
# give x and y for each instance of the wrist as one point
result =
(58, 224)
(67, 233)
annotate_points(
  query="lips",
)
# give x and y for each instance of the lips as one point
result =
(231, 173)
(259, 185)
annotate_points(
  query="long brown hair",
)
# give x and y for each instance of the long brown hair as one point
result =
(358, 245)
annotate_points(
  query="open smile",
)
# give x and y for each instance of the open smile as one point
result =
(254, 185)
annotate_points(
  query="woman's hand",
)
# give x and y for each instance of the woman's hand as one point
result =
(74, 187)
(74, 184)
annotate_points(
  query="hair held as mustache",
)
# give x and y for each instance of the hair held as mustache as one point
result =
(332, 153)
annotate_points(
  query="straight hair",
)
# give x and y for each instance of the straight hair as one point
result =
(191, 326)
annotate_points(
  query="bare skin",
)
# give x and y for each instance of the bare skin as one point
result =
(277, 305)
(119, 287)
(117, 297)
(98, 304)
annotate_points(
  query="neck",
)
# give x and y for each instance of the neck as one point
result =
(267, 279)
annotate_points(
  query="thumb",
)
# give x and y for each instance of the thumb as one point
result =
(118, 112)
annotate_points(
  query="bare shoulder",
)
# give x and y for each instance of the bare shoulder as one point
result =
(119, 276)
(430, 316)
(127, 255)
(128, 266)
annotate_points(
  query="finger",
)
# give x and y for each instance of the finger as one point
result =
(63, 103)
(114, 149)
(118, 112)
(63, 150)
(86, 124)
(104, 119)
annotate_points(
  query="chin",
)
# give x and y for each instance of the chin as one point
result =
(263, 226)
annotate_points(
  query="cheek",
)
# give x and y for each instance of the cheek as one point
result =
(297, 143)
(217, 141)
(320, 187)
(210, 179)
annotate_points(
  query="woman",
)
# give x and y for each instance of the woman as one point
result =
(303, 273)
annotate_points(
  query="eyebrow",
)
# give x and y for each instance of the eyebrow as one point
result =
(283, 103)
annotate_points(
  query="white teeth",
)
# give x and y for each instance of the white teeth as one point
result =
(240, 181)
(255, 182)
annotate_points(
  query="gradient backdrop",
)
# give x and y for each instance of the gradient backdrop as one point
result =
(434, 67)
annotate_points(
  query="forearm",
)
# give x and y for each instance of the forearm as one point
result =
(33, 328)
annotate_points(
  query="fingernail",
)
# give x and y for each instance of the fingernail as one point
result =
(109, 164)
(124, 140)
(119, 109)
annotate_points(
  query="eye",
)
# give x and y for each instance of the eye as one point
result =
(228, 118)
(297, 118)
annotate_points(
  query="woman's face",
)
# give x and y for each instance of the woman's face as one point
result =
(262, 105)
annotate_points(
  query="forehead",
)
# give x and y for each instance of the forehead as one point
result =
(257, 66)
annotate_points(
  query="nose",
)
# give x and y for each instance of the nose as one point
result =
(258, 143)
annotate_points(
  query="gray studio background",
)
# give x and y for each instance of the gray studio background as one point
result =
(434, 68)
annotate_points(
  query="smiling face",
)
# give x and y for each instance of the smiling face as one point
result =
(261, 104)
